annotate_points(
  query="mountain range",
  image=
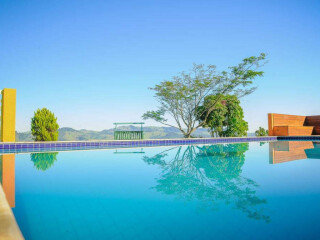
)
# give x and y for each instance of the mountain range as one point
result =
(70, 134)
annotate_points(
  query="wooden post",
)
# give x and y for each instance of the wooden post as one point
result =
(271, 152)
(270, 124)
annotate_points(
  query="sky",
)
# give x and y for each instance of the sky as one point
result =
(92, 62)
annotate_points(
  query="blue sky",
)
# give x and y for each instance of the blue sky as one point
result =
(91, 62)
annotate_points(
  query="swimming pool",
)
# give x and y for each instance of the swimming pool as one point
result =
(255, 190)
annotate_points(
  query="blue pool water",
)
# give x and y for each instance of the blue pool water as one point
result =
(223, 191)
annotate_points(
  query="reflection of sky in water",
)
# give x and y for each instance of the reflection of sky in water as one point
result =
(188, 192)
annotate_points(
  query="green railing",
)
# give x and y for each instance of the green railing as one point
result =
(128, 135)
(131, 152)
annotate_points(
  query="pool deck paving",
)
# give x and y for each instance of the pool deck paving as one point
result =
(25, 147)
(8, 226)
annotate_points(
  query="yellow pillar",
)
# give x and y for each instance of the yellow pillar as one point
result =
(8, 115)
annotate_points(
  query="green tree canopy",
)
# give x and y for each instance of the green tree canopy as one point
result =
(226, 120)
(261, 132)
(181, 97)
(44, 126)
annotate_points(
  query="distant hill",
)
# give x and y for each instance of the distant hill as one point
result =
(70, 134)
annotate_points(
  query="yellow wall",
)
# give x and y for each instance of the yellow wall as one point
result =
(8, 115)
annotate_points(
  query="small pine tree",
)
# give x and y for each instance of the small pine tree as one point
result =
(44, 126)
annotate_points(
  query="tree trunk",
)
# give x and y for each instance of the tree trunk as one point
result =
(188, 134)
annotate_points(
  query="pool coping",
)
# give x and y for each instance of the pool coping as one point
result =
(26, 147)
(290, 138)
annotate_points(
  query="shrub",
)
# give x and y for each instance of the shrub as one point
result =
(227, 119)
(44, 126)
(261, 132)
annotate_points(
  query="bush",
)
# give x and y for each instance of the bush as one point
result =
(261, 132)
(44, 126)
(227, 118)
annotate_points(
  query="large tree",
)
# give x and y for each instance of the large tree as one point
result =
(226, 120)
(185, 93)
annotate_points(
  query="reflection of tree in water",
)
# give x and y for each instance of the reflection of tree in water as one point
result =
(43, 161)
(262, 143)
(209, 174)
